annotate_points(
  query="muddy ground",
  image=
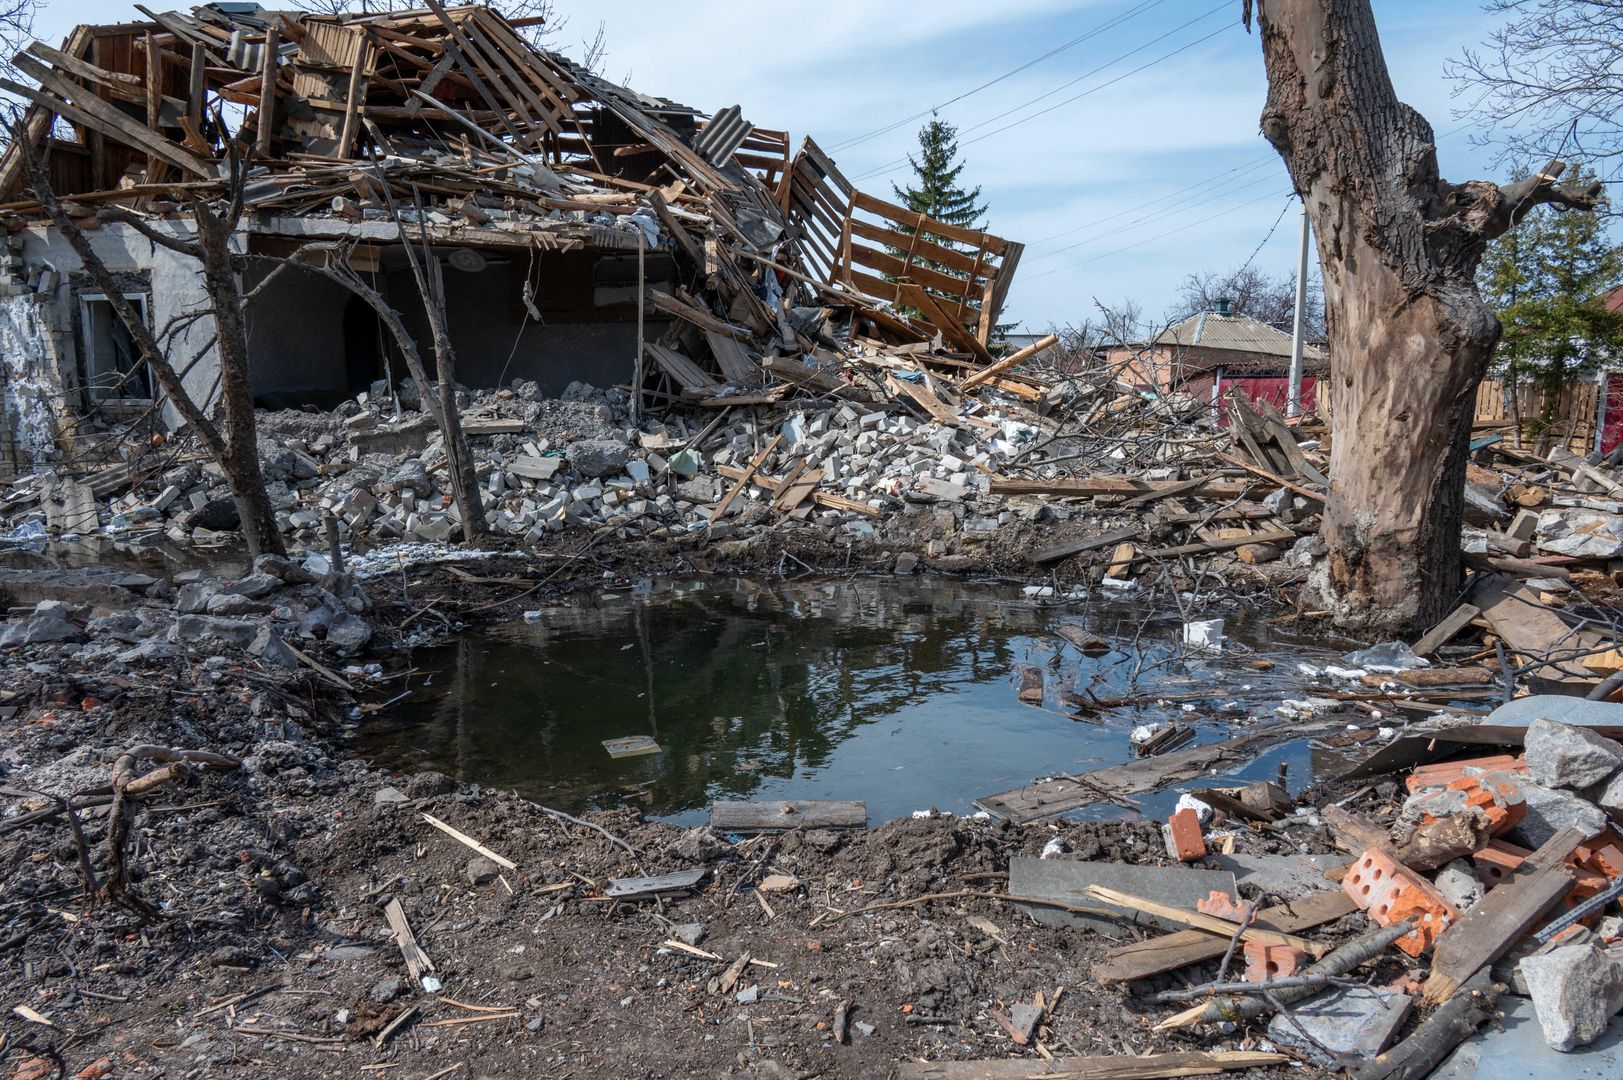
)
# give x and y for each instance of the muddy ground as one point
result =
(270, 955)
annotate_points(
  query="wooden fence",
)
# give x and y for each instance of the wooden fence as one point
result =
(1517, 416)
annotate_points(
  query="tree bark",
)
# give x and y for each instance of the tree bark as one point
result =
(240, 462)
(1410, 336)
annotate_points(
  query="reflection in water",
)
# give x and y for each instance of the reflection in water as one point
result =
(899, 692)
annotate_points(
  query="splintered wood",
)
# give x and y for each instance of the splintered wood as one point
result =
(417, 962)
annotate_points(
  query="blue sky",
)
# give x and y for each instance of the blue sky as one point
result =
(1147, 176)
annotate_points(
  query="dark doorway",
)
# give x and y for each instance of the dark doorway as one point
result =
(363, 346)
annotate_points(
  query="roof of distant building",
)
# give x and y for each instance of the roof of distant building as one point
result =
(1233, 333)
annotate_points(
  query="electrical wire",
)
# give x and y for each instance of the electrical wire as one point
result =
(1109, 24)
(893, 165)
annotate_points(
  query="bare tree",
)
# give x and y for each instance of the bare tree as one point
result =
(233, 444)
(1410, 336)
(1549, 82)
(1254, 292)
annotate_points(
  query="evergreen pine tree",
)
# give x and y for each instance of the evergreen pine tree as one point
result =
(935, 192)
(1547, 280)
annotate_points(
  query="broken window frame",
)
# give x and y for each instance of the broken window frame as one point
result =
(135, 376)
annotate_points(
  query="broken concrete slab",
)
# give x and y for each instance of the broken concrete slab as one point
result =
(1288, 877)
(1513, 1048)
(1068, 880)
(1576, 711)
(1358, 1020)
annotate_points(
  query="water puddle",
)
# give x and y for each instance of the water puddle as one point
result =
(902, 693)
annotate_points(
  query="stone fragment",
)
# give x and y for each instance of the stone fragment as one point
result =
(598, 457)
(1023, 1018)
(1576, 990)
(1549, 810)
(1563, 756)
(690, 933)
(1358, 1020)
(386, 989)
(481, 871)
(387, 796)
(1458, 884)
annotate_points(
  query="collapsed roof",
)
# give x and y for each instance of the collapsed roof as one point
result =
(452, 118)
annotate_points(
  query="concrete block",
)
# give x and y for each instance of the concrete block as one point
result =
(1067, 879)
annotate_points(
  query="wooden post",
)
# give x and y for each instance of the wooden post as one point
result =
(637, 372)
(266, 119)
(335, 549)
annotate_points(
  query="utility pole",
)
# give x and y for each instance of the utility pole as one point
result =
(1293, 402)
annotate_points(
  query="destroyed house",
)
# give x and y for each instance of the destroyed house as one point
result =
(584, 231)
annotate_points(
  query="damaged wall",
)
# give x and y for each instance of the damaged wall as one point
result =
(30, 383)
(169, 283)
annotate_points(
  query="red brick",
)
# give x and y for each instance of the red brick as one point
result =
(1184, 840)
(1219, 905)
(1390, 892)
(1264, 962)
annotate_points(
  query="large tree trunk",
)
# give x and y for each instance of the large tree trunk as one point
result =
(1410, 336)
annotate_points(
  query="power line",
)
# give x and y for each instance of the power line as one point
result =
(1270, 235)
(1158, 236)
(1190, 202)
(890, 166)
(1109, 24)
(1249, 166)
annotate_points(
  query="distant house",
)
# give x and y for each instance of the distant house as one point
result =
(1212, 352)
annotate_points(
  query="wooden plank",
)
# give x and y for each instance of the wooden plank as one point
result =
(796, 491)
(925, 397)
(1530, 629)
(83, 107)
(265, 119)
(1121, 560)
(464, 838)
(417, 961)
(1206, 547)
(1497, 922)
(1083, 486)
(1077, 547)
(1170, 952)
(1286, 440)
(1113, 1067)
(1010, 361)
(743, 481)
(781, 816)
(687, 374)
(1453, 623)
(634, 887)
(1116, 782)
(914, 296)
(1181, 487)
(733, 358)
(1196, 920)
(698, 317)
(903, 216)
